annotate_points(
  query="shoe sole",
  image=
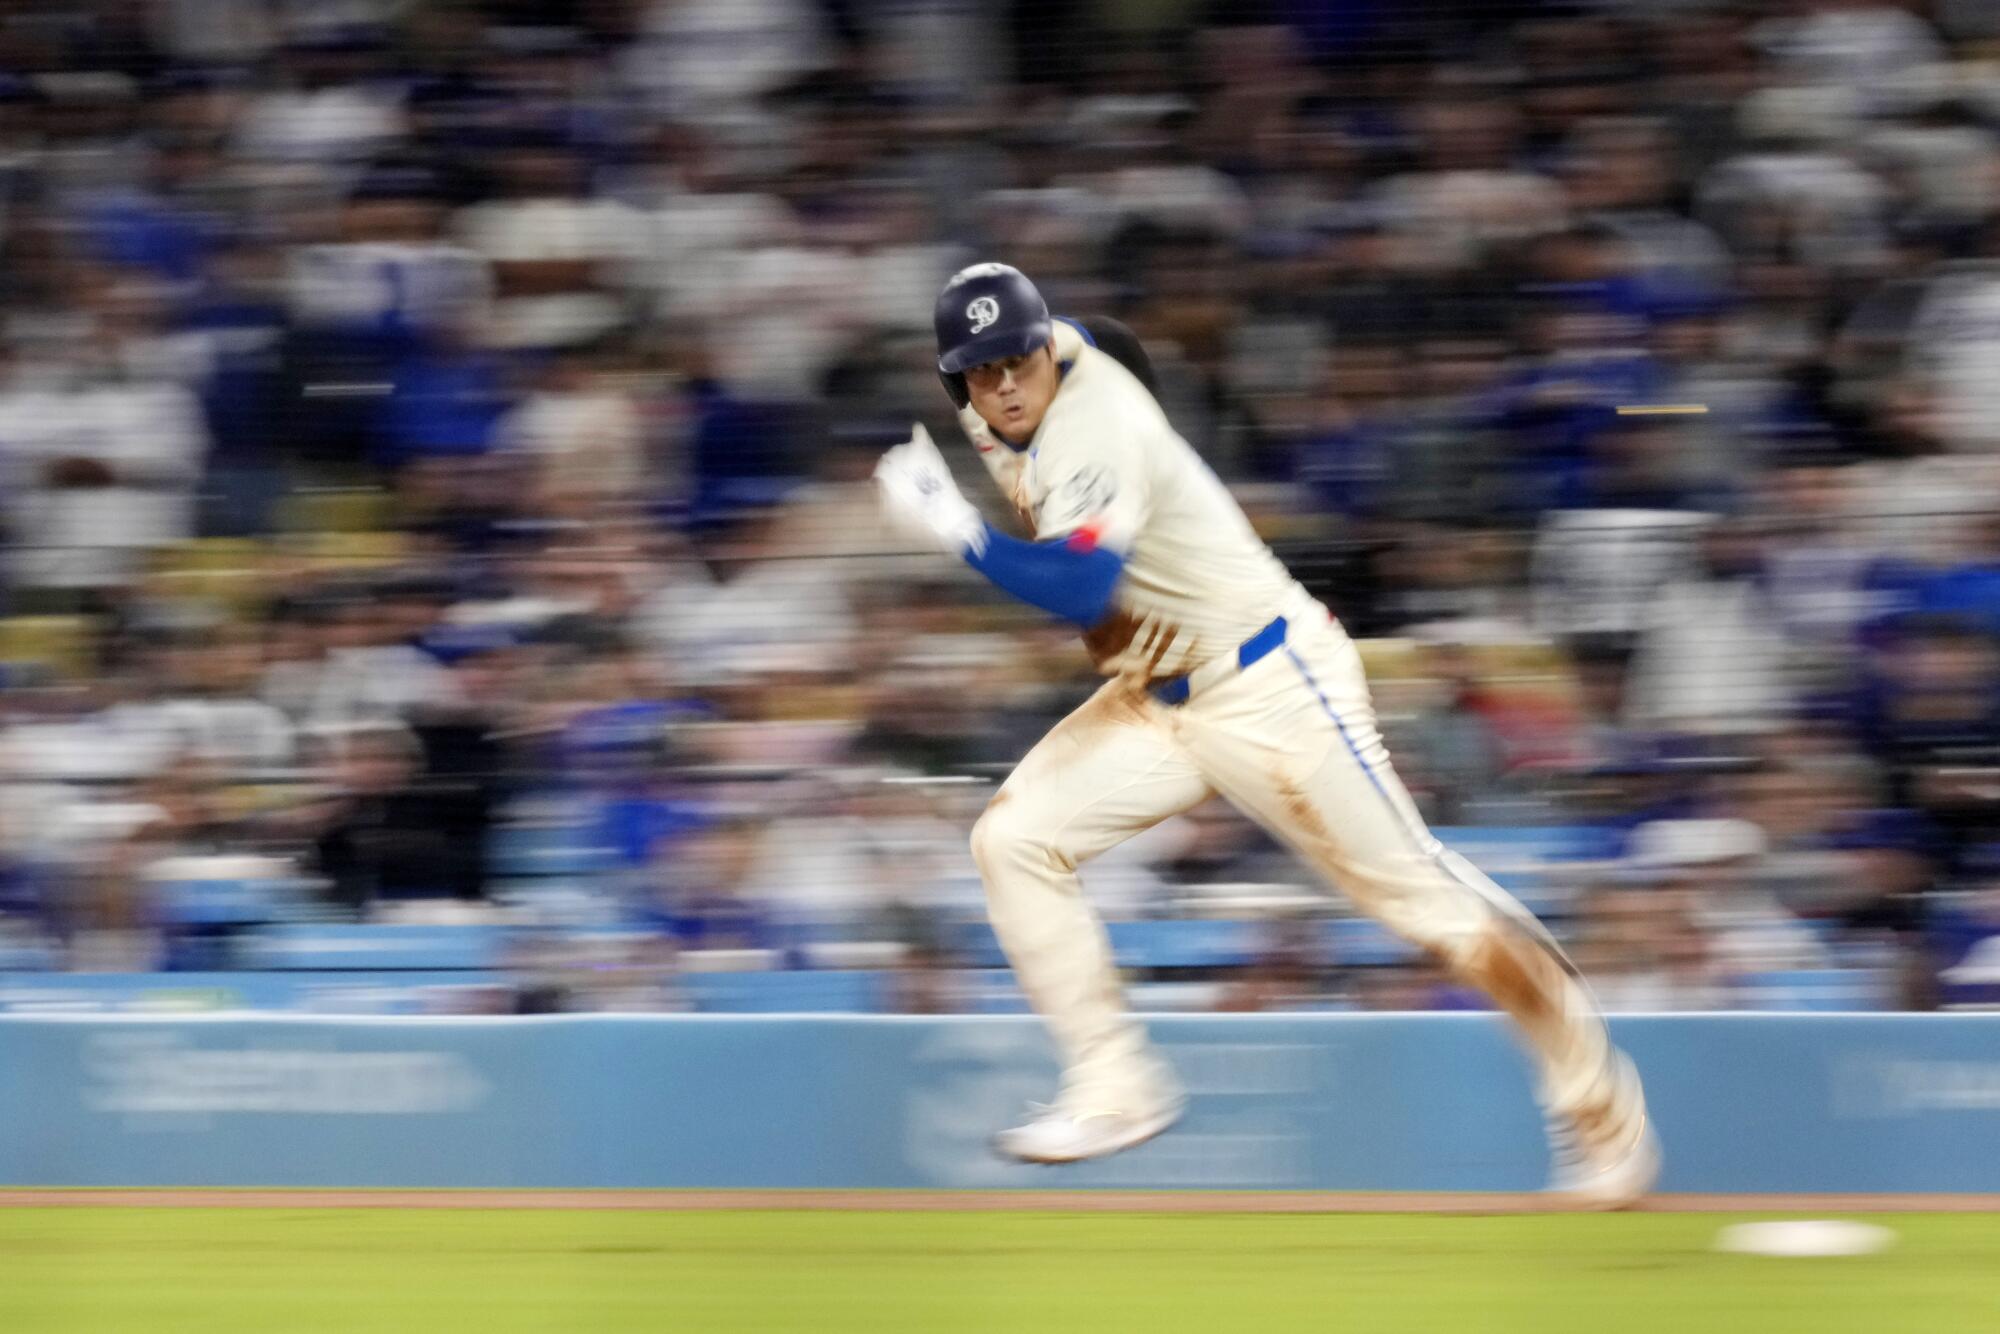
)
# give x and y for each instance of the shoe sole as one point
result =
(1152, 1130)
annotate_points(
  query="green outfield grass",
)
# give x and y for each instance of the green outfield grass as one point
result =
(354, 1271)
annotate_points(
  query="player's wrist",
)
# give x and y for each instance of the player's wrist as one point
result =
(964, 531)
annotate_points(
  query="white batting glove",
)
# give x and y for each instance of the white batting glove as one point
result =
(922, 502)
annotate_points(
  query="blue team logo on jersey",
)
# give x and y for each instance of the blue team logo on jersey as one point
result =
(982, 312)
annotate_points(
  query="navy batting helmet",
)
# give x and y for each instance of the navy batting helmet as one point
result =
(986, 313)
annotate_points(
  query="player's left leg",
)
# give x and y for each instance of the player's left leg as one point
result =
(1292, 741)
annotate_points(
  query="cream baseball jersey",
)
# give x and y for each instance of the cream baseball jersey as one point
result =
(1106, 469)
(1264, 703)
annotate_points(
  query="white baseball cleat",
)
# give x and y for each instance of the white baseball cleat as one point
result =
(1066, 1135)
(1615, 1179)
(1599, 1170)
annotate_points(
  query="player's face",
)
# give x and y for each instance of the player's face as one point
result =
(1012, 395)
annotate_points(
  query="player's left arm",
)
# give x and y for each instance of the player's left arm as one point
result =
(1093, 508)
(1085, 528)
(1068, 577)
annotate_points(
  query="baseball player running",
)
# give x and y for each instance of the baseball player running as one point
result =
(1226, 677)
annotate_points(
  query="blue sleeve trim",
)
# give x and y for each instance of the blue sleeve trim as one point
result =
(1070, 582)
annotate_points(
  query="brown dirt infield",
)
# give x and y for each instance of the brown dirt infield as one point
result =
(1072, 1201)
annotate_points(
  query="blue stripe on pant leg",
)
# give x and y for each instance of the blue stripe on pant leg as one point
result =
(1427, 843)
(1506, 906)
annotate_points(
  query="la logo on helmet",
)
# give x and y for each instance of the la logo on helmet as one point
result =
(982, 312)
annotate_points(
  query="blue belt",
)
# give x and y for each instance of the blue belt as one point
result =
(1175, 689)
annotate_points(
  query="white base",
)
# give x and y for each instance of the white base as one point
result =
(1805, 1237)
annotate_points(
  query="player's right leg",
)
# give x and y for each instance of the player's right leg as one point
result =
(1109, 770)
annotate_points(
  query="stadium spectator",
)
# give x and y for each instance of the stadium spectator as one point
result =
(376, 838)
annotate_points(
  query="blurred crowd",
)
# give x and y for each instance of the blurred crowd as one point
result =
(436, 436)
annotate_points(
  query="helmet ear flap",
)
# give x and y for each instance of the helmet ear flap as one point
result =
(954, 384)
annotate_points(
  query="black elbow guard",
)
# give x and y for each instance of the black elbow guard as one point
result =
(1116, 340)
